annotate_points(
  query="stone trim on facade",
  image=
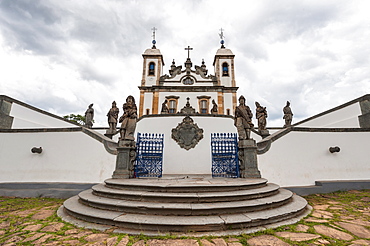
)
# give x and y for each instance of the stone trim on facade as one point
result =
(186, 89)
(183, 115)
(155, 102)
(218, 57)
(141, 104)
(233, 83)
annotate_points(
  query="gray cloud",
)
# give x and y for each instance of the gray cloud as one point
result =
(30, 25)
(72, 53)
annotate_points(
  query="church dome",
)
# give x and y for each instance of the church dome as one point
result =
(224, 51)
(152, 52)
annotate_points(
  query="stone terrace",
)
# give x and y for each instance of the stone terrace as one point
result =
(341, 218)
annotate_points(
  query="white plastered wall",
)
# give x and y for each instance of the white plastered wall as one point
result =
(152, 79)
(225, 80)
(148, 101)
(228, 103)
(301, 158)
(66, 157)
(28, 118)
(177, 160)
(345, 117)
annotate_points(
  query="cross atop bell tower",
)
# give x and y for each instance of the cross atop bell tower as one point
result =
(153, 36)
(222, 37)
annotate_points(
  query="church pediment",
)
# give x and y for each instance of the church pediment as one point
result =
(188, 76)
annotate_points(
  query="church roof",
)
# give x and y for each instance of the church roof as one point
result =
(223, 51)
(152, 52)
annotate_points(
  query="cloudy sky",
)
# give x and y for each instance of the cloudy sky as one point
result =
(61, 56)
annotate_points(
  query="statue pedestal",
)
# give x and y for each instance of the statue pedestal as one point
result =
(264, 133)
(110, 133)
(125, 160)
(248, 159)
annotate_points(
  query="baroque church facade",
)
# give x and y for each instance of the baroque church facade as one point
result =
(186, 83)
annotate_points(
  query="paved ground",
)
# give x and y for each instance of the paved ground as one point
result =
(341, 218)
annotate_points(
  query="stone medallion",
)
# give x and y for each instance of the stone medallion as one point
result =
(187, 133)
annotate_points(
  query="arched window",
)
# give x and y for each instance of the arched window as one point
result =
(204, 106)
(225, 69)
(172, 103)
(172, 106)
(151, 68)
(228, 111)
(147, 111)
(203, 103)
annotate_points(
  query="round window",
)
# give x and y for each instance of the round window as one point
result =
(188, 81)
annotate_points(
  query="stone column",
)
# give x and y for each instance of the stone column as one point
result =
(125, 160)
(364, 119)
(248, 159)
(6, 121)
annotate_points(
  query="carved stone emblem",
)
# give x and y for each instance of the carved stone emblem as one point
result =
(187, 133)
(187, 109)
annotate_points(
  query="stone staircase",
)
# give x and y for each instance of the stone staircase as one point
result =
(186, 206)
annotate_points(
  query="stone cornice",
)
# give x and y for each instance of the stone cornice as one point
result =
(222, 57)
(183, 115)
(188, 88)
(155, 56)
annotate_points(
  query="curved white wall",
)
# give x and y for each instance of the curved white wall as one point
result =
(66, 157)
(301, 158)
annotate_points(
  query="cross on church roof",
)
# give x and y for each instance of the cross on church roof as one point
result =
(188, 49)
(222, 38)
(153, 35)
(221, 34)
(154, 29)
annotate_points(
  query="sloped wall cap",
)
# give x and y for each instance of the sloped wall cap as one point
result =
(12, 100)
(357, 100)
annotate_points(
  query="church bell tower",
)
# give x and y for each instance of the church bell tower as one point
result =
(152, 71)
(224, 65)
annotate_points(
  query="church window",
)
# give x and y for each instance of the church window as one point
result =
(188, 81)
(147, 111)
(204, 106)
(172, 106)
(228, 111)
(225, 69)
(203, 102)
(151, 68)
